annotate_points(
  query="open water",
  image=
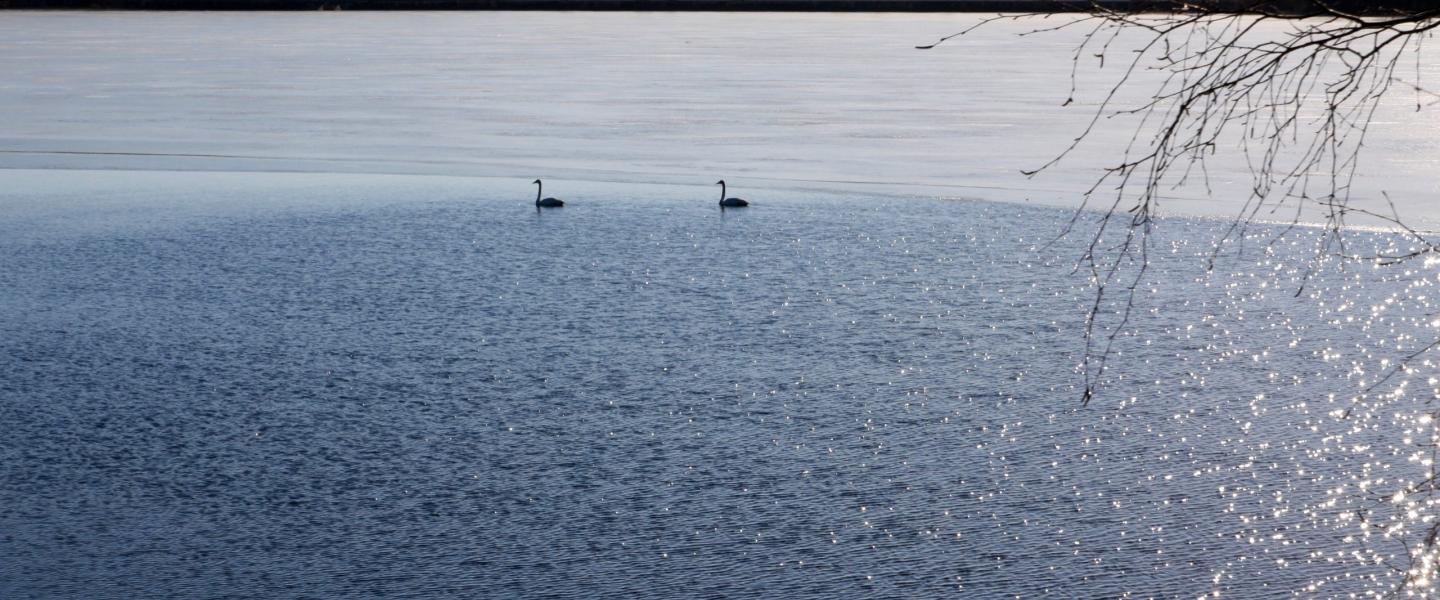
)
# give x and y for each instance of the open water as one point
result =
(235, 361)
(403, 387)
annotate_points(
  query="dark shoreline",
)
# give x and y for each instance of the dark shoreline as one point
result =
(604, 5)
(1290, 7)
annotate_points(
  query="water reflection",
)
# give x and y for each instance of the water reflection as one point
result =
(828, 397)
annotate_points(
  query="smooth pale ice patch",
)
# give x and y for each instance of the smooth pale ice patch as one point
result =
(790, 101)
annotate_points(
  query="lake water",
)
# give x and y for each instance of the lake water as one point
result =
(218, 382)
(333, 386)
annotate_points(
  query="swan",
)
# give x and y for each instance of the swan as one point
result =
(729, 202)
(545, 202)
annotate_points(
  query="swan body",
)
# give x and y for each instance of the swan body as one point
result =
(729, 202)
(545, 202)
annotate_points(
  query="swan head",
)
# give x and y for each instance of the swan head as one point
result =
(536, 181)
(721, 182)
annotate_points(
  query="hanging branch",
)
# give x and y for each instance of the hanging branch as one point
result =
(1298, 102)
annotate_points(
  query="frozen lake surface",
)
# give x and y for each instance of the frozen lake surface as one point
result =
(813, 101)
(277, 319)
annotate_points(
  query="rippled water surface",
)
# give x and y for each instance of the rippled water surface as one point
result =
(323, 386)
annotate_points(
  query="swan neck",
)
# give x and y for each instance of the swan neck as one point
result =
(538, 186)
(722, 191)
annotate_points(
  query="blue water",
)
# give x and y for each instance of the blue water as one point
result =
(351, 387)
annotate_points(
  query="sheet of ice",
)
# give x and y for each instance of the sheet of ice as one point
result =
(779, 100)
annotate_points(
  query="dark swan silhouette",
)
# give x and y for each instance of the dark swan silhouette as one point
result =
(729, 202)
(545, 202)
